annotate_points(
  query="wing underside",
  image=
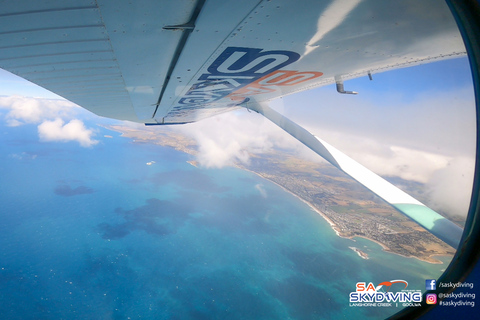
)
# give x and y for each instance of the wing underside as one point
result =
(181, 61)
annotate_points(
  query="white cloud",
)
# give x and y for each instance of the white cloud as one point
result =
(23, 110)
(22, 156)
(390, 160)
(50, 115)
(57, 130)
(436, 122)
(228, 138)
(447, 180)
(14, 123)
(449, 188)
(428, 137)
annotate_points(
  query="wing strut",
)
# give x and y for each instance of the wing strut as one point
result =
(439, 226)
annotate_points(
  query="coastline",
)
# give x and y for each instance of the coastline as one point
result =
(336, 229)
(360, 253)
(387, 249)
(330, 222)
(429, 259)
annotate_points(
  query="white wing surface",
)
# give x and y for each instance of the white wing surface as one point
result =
(157, 61)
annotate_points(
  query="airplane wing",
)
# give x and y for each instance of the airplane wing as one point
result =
(163, 62)
(168, 62)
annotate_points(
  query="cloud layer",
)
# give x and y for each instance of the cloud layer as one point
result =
(230, 137)
(427, 138)
(49, 115)
(57, 130)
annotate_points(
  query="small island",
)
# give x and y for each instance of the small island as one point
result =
(362, 254)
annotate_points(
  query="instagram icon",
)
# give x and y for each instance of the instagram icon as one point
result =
(431, 298)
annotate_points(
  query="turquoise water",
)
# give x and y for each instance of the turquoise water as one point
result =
(98, 234)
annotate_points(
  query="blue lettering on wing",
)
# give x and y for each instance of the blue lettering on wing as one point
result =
(249, 62)
(233, 69)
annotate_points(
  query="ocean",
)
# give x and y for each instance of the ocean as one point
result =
(124, 230)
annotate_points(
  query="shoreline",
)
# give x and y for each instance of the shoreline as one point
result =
(387, 249)
(330, 222)
(360, 253)
(335, 228)
(430, 259)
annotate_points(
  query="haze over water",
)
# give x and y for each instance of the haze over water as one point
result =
(96, 233)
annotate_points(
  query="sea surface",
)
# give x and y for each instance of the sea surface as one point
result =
(97, 233)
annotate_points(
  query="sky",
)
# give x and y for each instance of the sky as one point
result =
(415, 123)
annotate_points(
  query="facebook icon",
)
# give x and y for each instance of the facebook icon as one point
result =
(430, 284)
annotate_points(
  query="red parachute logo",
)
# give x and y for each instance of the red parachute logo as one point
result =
(389, 284)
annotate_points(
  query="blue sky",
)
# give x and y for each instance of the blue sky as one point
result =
(441, 75)
(11, 84)
(432, 97)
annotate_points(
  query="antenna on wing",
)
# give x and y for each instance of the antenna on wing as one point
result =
(340, 88)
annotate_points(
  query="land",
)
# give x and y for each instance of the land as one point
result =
(360, 253)
(351, 210)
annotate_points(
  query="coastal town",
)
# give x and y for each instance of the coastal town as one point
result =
(351, 210)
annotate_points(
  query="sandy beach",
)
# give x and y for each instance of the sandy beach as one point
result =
(335, 228)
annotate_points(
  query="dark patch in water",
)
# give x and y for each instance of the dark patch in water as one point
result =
(156, 217)
(67, 191)
(114, 232)
(247, 215)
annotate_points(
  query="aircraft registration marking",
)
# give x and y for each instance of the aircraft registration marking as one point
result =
(239, 72)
